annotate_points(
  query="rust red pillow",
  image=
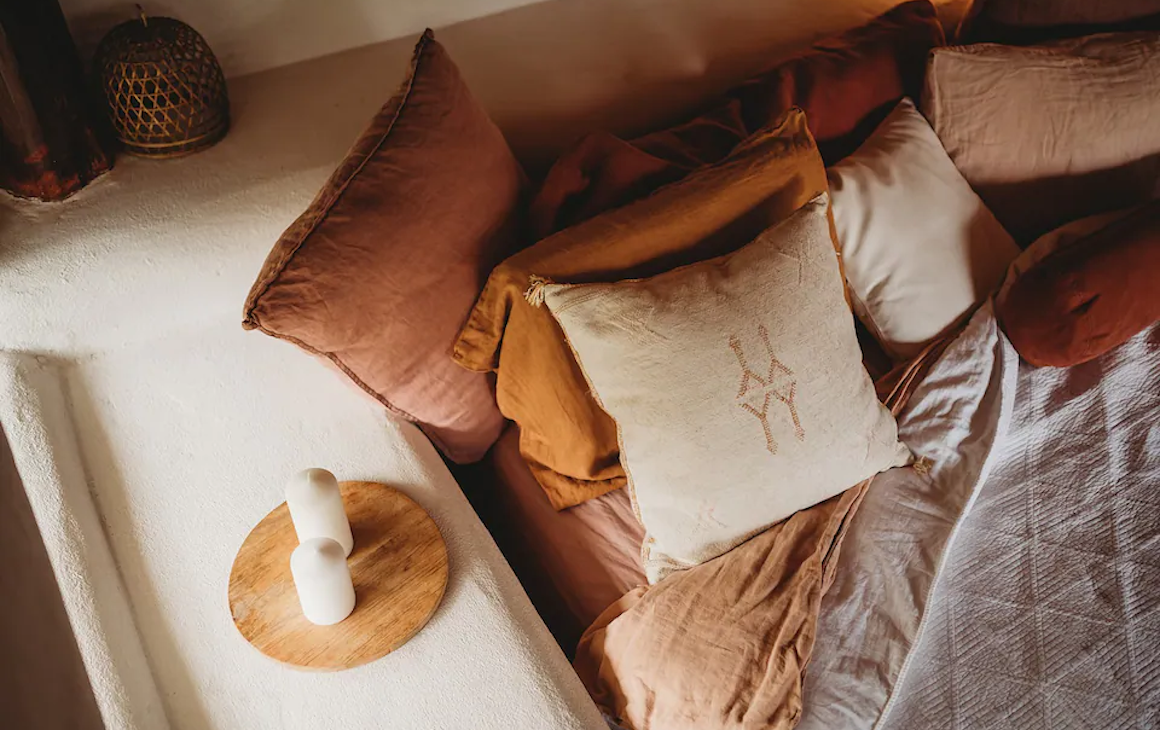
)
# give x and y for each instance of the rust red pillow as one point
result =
(598, 173)
(845, 85)
(1088, 297)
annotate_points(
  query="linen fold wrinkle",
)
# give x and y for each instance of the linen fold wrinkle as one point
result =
(842, 83)
(570, 443)
(724, 644)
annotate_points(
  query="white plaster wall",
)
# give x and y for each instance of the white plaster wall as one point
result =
(135, 286)
(254, 35)
(170, 245)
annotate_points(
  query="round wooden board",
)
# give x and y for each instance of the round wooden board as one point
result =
(399, 568)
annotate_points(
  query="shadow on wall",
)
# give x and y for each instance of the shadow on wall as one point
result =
(548, 73)
(257, 35)
(43, 683)
(184, 704)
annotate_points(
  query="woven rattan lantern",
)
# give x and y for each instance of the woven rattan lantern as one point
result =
(164, 88)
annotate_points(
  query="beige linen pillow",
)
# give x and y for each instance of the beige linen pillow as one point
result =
(920, 247)
(1048, 134)
(736, 385)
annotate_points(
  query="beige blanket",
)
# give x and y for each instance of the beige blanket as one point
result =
(724, 644)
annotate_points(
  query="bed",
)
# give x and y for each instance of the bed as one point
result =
(710, 490)
(963, 597)
(1006, 577)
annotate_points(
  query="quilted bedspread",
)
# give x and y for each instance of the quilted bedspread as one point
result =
(1046, 610)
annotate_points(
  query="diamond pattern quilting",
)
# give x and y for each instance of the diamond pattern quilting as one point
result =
(1047, 612)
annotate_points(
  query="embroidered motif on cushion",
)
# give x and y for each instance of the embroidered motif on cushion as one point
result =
(779, 382)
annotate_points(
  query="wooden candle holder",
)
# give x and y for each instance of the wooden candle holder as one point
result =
(399, 568)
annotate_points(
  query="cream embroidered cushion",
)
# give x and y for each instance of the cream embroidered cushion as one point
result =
(737, 388)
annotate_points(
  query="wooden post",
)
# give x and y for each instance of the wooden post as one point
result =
(52, 138)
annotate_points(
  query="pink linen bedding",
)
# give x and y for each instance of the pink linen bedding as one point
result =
(891, 552)
(724, 644)
(580, 560)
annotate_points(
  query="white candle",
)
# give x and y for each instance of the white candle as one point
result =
(316, 508)
(322, 579)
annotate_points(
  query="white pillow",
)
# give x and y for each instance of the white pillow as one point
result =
(920, 248)
(737, 388)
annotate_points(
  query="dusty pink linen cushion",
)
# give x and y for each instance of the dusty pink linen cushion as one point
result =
(380, 272)
(1048, 134)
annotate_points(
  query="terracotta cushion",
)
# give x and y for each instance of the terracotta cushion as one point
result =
(845, 85)
(1089, 296)
(380, 272)
(569, 442)
(598, 173)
